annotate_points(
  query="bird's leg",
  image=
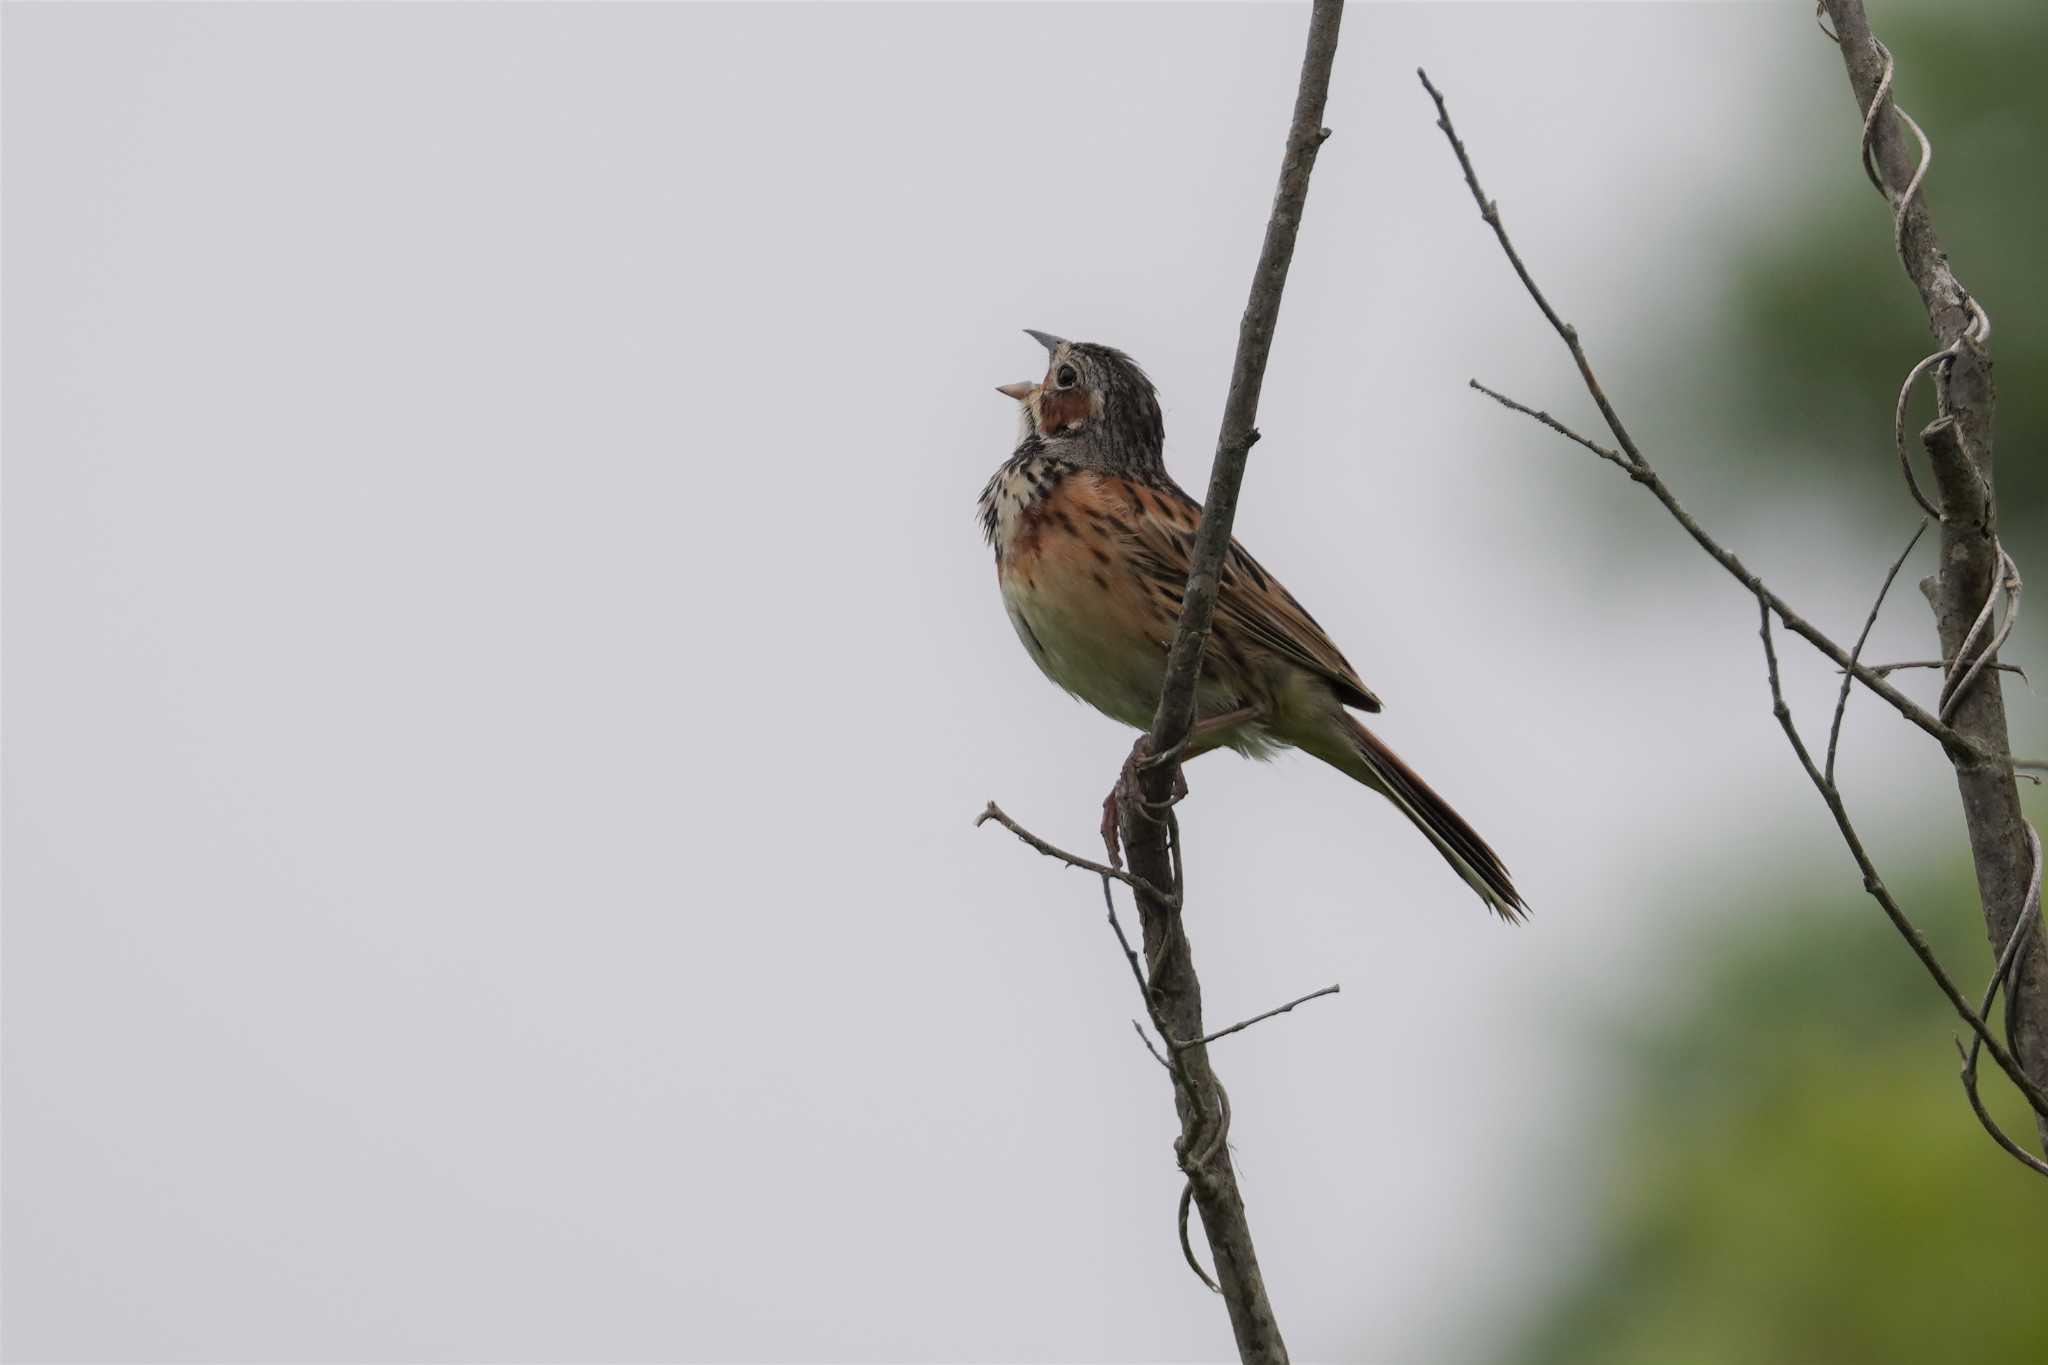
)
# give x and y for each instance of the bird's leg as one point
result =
(1126, 777)
(1202, 736)
(1112, 845)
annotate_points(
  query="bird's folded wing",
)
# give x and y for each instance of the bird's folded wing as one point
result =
(1252, 608)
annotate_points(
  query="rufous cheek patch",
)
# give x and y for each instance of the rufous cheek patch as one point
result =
(1063, 409)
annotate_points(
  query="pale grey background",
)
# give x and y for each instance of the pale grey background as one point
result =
(501, 666)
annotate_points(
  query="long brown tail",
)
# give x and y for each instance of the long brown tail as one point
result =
(1382, 769)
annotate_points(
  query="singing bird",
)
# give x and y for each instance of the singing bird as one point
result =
(1093, 543)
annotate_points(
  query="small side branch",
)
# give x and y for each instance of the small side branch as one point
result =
(1882, 669)
(1136, 883)
(1243, 1024)
(1612, 457)
(1490, 212)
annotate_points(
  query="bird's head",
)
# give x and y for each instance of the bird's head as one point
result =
(1094, 406)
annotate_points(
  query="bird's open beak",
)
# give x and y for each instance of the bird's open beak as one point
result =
(1046, 339)
(1021, 390)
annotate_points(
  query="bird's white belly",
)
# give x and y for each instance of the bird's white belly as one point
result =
(1113, 671)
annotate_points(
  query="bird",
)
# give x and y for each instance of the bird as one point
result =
(1093, 544)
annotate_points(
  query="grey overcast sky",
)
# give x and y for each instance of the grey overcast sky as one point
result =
(501, 666)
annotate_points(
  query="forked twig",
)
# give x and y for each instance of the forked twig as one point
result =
(1490, 212)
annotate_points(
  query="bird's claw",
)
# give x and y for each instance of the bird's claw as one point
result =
(1127, 788)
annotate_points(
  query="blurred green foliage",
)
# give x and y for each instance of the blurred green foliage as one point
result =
(1796, 1175)
(1791, 1172)
(1827, 323)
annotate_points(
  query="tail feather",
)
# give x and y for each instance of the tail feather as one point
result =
(1381, 768)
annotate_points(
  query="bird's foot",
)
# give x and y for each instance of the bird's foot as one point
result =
(1112, 804)
(1127, 788)
(1110, 842)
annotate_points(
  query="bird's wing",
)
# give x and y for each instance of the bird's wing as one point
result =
(1251, 604)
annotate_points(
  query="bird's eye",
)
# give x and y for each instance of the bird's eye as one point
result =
(1067, 377)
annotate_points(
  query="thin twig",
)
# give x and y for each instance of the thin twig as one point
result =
(1849, 679)
(1137, 969)
(1956, 742)
(1136, 883)
(1489, 211)
(1150, 1047)
(1243, 1024)
(1882, 669)
(1648, 477)
(1611, 456)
